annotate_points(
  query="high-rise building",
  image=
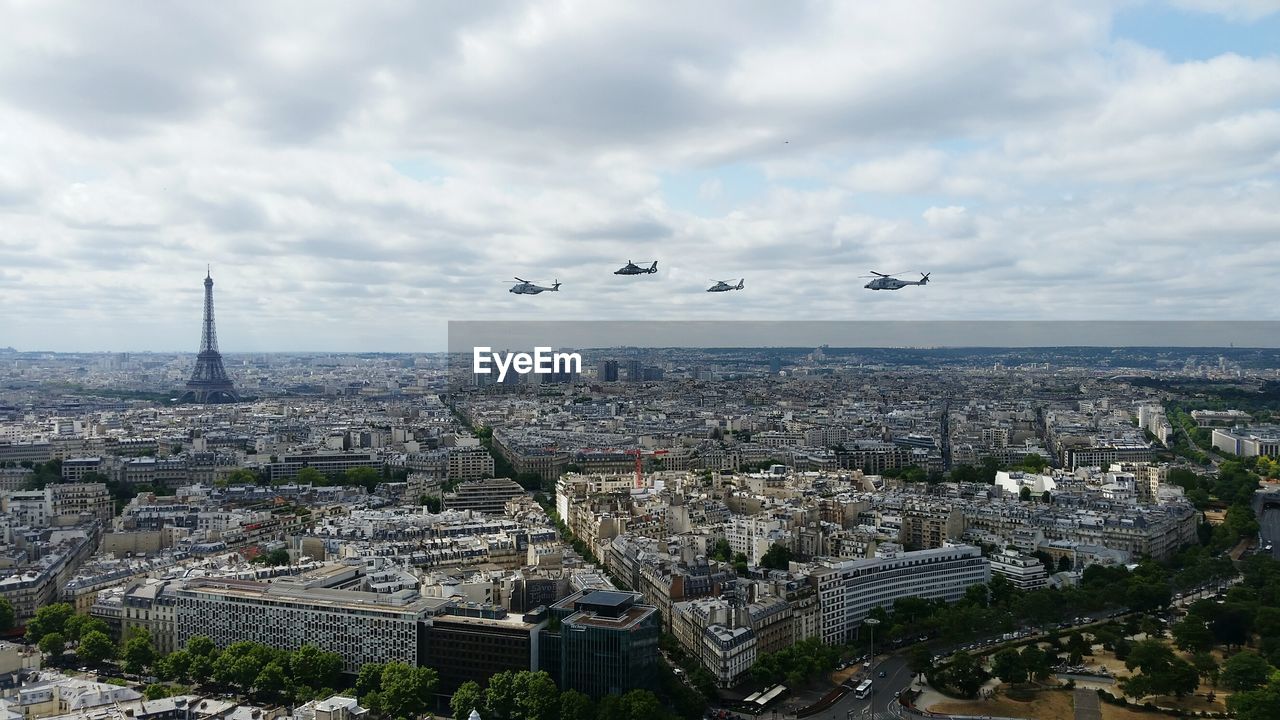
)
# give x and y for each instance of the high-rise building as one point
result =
(209, 381)
(608, 371)
(605, 643)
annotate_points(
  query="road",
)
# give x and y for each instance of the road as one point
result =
(1270, 530)
(897, 678)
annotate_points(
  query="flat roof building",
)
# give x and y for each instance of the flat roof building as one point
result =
(361, 627)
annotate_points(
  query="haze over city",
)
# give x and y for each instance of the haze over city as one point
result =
(357, 175)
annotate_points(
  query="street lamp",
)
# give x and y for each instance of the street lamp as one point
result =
(871, 667)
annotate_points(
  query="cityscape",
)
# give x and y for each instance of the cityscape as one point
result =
(551, 360)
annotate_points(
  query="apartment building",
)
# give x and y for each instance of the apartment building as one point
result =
(1023, 571)
(469, 463)
(488, 496)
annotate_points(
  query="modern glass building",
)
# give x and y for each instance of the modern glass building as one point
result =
(601, 642)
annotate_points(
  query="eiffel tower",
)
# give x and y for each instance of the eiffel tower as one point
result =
(209, 382)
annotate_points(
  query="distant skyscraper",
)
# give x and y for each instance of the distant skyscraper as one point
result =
(608, 371)
(209, 382)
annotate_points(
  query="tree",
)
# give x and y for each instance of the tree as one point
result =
(538, 697)
(1192, 635)
(174, 666)
(466, 698)
(156, 691)
(977, 595)
(1077, 645)
(1256, 704)
(366, 477)
(403, 690)
(573, 706)
(1007, 665)
(315, 668)
(920, 660)
(49, 619)
(271, 682)
(368, 680)
(1245, 671)
(201, 646)
(777, 557)
(1163, 673)
(500, 696)
(1037, 662)
(1034, 462)
(1233, 625)
(77, 626)
(722, 551)
(6, 614)
(642, 705)
(311, 476)
(139, 653)
(1046, 497)
(95, 647)
(1148, 596)
(1207, 666)
(966, 675)
(53, 644)
(1024, 494)
(242, 476)
(275, 558)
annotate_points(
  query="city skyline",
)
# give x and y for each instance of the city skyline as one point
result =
(356, 188)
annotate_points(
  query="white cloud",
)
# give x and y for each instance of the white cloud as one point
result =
(140, 143)
(951, 221)
(1238, 10)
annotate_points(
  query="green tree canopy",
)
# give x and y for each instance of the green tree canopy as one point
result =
(138, 653)
(49, 619)
(573, 706)
(466, 698)
(95, 647)
(53, 644)
(1008, 666)
(1245, 671)
(777, 557)
(77, 626)
(403, 690)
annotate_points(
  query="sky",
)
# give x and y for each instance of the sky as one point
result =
(359, 174)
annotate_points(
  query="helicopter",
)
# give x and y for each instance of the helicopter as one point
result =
(524, 287)
(724, 286)
(888, 282)
(632, 269)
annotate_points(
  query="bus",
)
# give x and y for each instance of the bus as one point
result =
(863, 689)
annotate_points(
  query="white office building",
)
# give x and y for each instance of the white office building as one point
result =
(361, 627)
(1024, 572)
(848, 590)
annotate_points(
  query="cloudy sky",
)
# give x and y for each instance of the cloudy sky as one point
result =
(360, 173)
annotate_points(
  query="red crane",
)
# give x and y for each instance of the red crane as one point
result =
(640, 455)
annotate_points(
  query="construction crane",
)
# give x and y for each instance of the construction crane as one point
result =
(640, 455)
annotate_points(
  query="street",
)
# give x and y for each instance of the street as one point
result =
(897, 678)
(1270, 530)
